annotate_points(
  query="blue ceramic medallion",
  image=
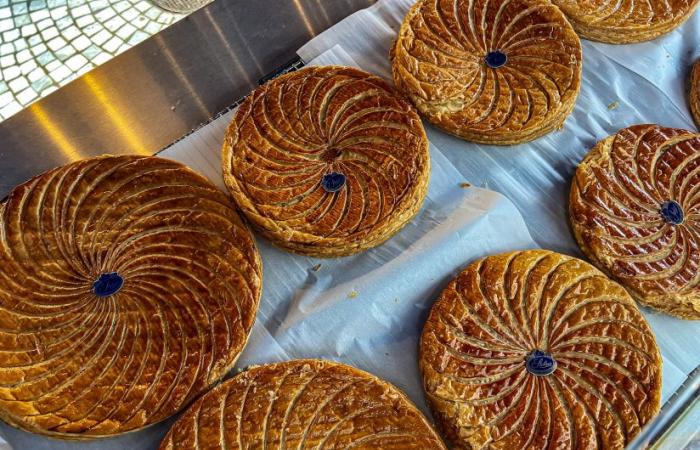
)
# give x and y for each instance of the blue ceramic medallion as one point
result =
(108, 284)
(540, 363)
(672, 212)
(496, 59)
(333, 182)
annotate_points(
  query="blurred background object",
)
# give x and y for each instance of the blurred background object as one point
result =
(44, 44)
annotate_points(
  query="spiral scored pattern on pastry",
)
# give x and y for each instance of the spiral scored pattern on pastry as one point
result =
(602, 368)
(309, 404)
(695, 92)
(81, 357)
(491, 72)
(619, 22)
(327, 161)
(635, 212)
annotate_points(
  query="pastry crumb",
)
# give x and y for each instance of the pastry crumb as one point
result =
(316, 268)
(464, 185)
(353, 294)
(613, 105)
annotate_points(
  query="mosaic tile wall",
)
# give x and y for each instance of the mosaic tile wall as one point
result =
(44, 44)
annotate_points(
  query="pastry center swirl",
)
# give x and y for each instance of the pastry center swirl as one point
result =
(672, 212)
(107, 284)
(330, 155)
(540, 363)
(496, 59)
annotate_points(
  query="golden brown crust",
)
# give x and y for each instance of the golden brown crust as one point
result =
(694, 92)
(310, 404)
(607, 380)
(76, 365)
(626, 22)
(299, 127)
(439, 61)
(615, 211)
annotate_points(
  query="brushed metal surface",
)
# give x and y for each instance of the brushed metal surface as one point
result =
(158, 91)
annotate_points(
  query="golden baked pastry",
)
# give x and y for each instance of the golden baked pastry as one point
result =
(490, 72)
(695, 92)
(309, 404)
(635, 212)
(128, 287)
(537, 350)
(619, 22)
(327, 161)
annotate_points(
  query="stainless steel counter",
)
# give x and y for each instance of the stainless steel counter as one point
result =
(156, 92)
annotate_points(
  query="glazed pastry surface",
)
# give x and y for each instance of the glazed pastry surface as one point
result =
(537, 350)
(309, 404)
(327, 161)
(128, 287)
(489, 72)
(635, 212)
(626, 22)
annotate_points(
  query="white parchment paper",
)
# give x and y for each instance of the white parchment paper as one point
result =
(368, 310)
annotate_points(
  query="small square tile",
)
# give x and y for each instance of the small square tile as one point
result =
(92, 51)
(6, 24)
(114, 23)
(20, 44)
(122, 6)
(76, 62)
(92, 29)
(3, 87)
(101, 37)
(112, 45)
(11, 109)
(7, 60)
(36, 5)
(59, 12)
(130, 14)
(29, 30)
(80, 11)
(84, 21)
(71, 33)
(126, 31)
(19, 8)
(152, 14)
(22, 19)
(105, 14)
(9, 36)
(137, 37)
(34, 40)
(61, 73)
(45, 58)
(18, 84)
(49, 33)
(10, 73)
(7, 49)
(42, 83)
(24, 55)
(27, 96)
(57, 43)
(53, 65)
(81, 42)
(101, 58)
(55, 3)
(5, 13)
(6, 98)
(98, 5)
(64, 22)
(28, 66)
(65, 52)
(44, 23)
(35, 74)
(38, 15)
(38, 49)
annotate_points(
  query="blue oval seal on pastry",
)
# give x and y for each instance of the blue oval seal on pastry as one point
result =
(540, 363)
(108, 284)
(672, 212)
(333, 182)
